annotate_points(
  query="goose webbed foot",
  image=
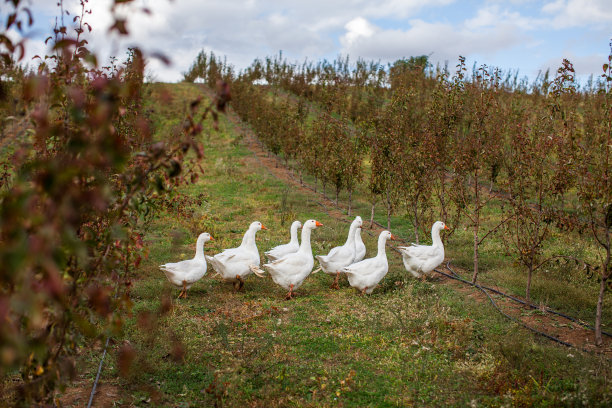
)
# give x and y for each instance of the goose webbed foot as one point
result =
(183, 294)
(239, 283)
(290, 295)
(335, 284)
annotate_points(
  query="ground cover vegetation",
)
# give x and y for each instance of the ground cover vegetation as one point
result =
(483, 151)
(104, 177)
(409, 343)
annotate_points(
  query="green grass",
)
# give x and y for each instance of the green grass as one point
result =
(410, 343)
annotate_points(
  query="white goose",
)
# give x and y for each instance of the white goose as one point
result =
(422, 259)
(282, 250)
(234, 264)
(360, 248)
(290, 271)
(340, 256)
(366, 274)
(185, 273)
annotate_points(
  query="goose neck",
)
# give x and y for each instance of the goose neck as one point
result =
(249, 239)
(350, 240)
(294, 235)
(382, 241)
(199, 248)
(435, 237)
(305, 245)
(358, 237)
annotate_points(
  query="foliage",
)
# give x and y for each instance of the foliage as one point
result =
(85, 174)
(430, 137)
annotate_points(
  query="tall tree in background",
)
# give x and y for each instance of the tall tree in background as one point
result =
(474, 146)
(531, 167)
(594, 178)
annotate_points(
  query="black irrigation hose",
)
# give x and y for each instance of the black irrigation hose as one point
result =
(457, 277)
(484, 290)
(532, 306)
(93, 390)
(514, 319)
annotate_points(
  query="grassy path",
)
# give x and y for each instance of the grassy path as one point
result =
(410, 343)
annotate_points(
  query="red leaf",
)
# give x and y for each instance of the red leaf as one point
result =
(120, 26)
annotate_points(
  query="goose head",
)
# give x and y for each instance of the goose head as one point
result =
(312, 224)
(205, 237)
(387, 235)
(257, 226)
(358, 221)
(439, 226)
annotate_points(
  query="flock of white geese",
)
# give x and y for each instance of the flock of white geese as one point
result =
(290, 264)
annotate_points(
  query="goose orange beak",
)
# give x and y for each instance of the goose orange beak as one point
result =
(211, 238)
(393, 237)
(446, 228)
(263, 227)
(318, 224)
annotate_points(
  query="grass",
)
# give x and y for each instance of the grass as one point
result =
(410, 343)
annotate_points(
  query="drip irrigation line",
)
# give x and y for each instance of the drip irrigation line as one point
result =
(93, 390)
(456, 277)
(514, 319)
(536, 331)
(532, 306)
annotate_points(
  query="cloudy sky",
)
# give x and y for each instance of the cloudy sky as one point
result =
(524, 35)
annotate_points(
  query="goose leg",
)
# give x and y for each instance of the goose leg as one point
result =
(290, 294)
(239, 283)
(183, 294)
(363, 291)
(335, 285)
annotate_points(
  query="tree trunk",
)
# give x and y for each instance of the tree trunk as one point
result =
(372, 216)
(443, 198)
(416, 222)
(475, 275)
(476, 224)
(388, 211)
(528, 290)
(602, 290)
(349, 201)
(337, 193)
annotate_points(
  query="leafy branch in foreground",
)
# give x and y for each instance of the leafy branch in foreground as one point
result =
(84, 172)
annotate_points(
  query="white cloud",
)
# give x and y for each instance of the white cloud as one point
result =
(572, 13)
(444, 41)
(243, 30)
(355, 29)
(491, 16)
(397, 8)
(240, 29)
